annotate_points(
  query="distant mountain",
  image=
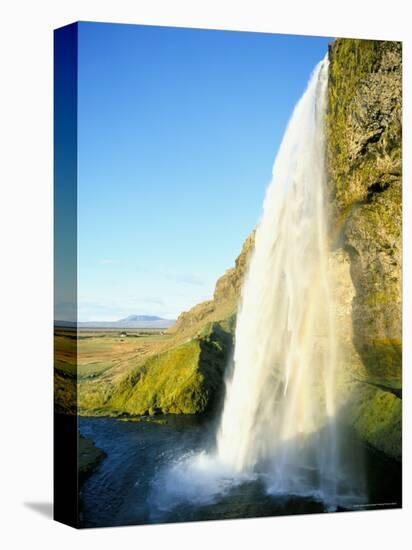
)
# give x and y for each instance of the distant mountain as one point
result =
(132, 321)
(139, 318)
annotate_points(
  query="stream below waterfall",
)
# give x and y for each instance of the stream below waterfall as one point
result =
(137, 483)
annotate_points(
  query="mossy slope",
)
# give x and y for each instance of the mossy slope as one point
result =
(186, 379)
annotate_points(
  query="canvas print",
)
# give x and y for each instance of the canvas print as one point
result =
(228, 217)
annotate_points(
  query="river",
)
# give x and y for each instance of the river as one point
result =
(133, 484)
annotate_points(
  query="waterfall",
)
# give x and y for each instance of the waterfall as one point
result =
(279, 422)
(279, 410)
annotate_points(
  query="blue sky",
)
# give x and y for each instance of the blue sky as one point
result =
(177, 133)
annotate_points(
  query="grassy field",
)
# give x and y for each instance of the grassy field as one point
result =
(96, 360)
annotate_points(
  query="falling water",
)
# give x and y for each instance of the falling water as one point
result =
(279, 422)
(279, 411)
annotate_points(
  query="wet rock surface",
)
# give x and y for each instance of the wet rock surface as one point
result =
(365, 191)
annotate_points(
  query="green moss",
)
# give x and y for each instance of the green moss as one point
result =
(377, 417)
(383, 361)
(228, 325)
(374, 232)
(184, 380)
(352, 64)
(377, 298)
(365, 189)
(65, 394)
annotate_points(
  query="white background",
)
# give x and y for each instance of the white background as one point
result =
(26, 269)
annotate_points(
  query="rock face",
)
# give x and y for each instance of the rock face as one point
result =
(365, 178)
(90, 457)
(364, 165)
(225, 297)
(364, 192)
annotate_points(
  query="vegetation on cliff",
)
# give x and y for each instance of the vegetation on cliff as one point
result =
(187, 379)
(182, 371)
(225, 298)
(179, 372)
(164, 378)
(365, 178)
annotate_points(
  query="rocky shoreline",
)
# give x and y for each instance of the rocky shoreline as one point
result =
(90, 458)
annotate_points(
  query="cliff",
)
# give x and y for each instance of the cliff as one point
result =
(186, 379)
(184, 373)
(364, 193)
(225, 297)
(365, 179)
